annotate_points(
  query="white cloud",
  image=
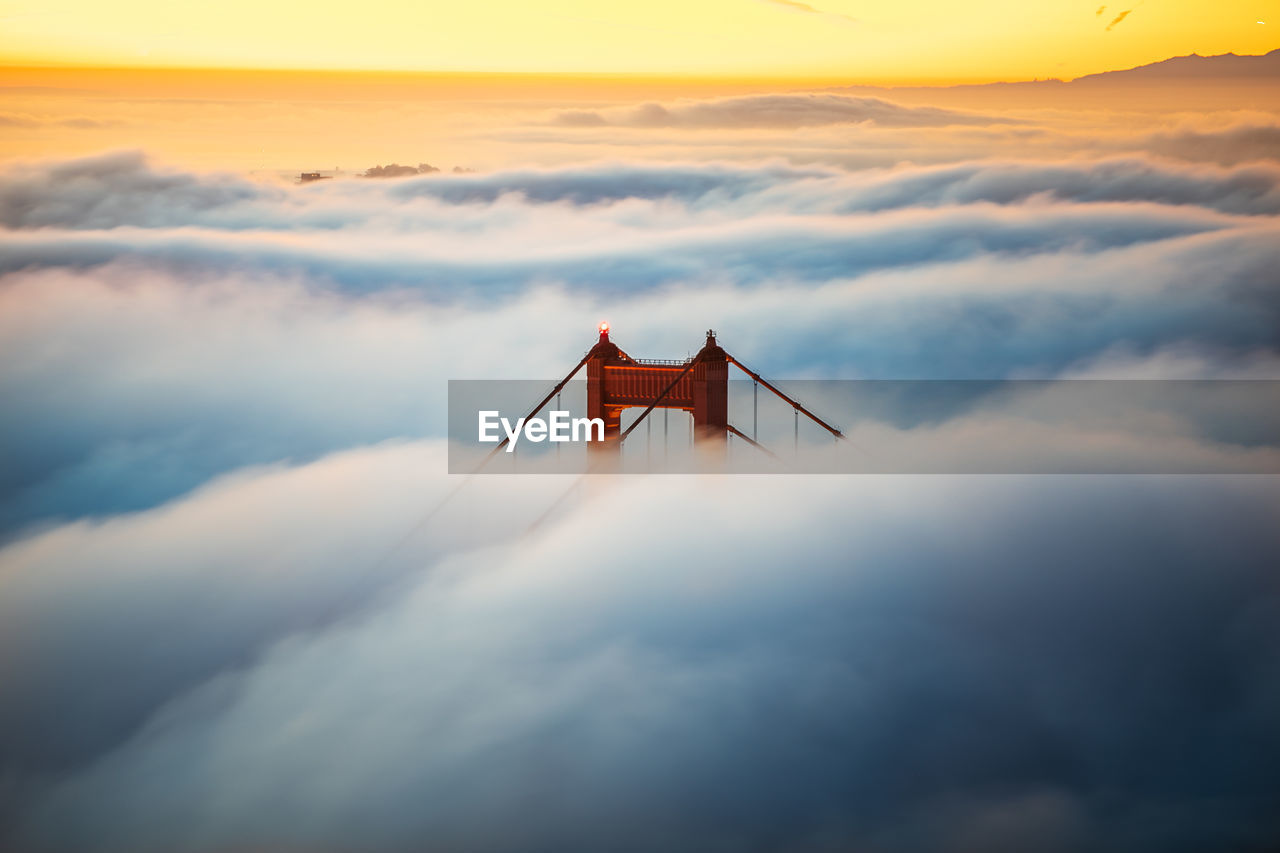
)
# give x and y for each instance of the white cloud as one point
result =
(589, 685)
(216, 393)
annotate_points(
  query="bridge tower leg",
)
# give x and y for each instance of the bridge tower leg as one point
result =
(602, 352)
(711, 397)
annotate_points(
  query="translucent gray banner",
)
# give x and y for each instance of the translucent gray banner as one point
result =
(887, 426)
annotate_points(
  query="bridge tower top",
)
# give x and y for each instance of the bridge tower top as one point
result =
(698, 385)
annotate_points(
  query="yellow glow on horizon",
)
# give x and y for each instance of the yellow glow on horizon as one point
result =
(925, 40)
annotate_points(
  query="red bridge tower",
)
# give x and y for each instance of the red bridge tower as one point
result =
(698, 385)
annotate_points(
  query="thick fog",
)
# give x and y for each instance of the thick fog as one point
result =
(242, 606)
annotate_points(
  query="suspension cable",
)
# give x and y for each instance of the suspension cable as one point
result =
(795, 404)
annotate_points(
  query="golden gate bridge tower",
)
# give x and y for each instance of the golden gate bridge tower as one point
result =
(698, 385)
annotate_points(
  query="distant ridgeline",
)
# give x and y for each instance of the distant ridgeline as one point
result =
(1225, 65)
(1227, 80)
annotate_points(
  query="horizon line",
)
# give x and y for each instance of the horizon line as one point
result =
(708, 76)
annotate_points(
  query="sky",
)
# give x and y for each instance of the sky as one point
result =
(913, 40)
(243, 605)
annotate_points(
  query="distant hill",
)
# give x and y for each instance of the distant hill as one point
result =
(1195, 66)
(1227, 81)
(1210, 70)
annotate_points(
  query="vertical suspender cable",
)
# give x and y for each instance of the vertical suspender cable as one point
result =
(755, 410)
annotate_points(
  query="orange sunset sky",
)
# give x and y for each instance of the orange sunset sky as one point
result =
(279, 87)
(907, 40)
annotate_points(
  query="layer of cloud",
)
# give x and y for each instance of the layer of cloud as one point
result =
(1118, 18)
(1234, 145)
(23, 120)
(775, 111)
(112, 190)
(169, 327)
(128, 385)
(853, 664)
(47, 723)
(123, 189)
(215, 633)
